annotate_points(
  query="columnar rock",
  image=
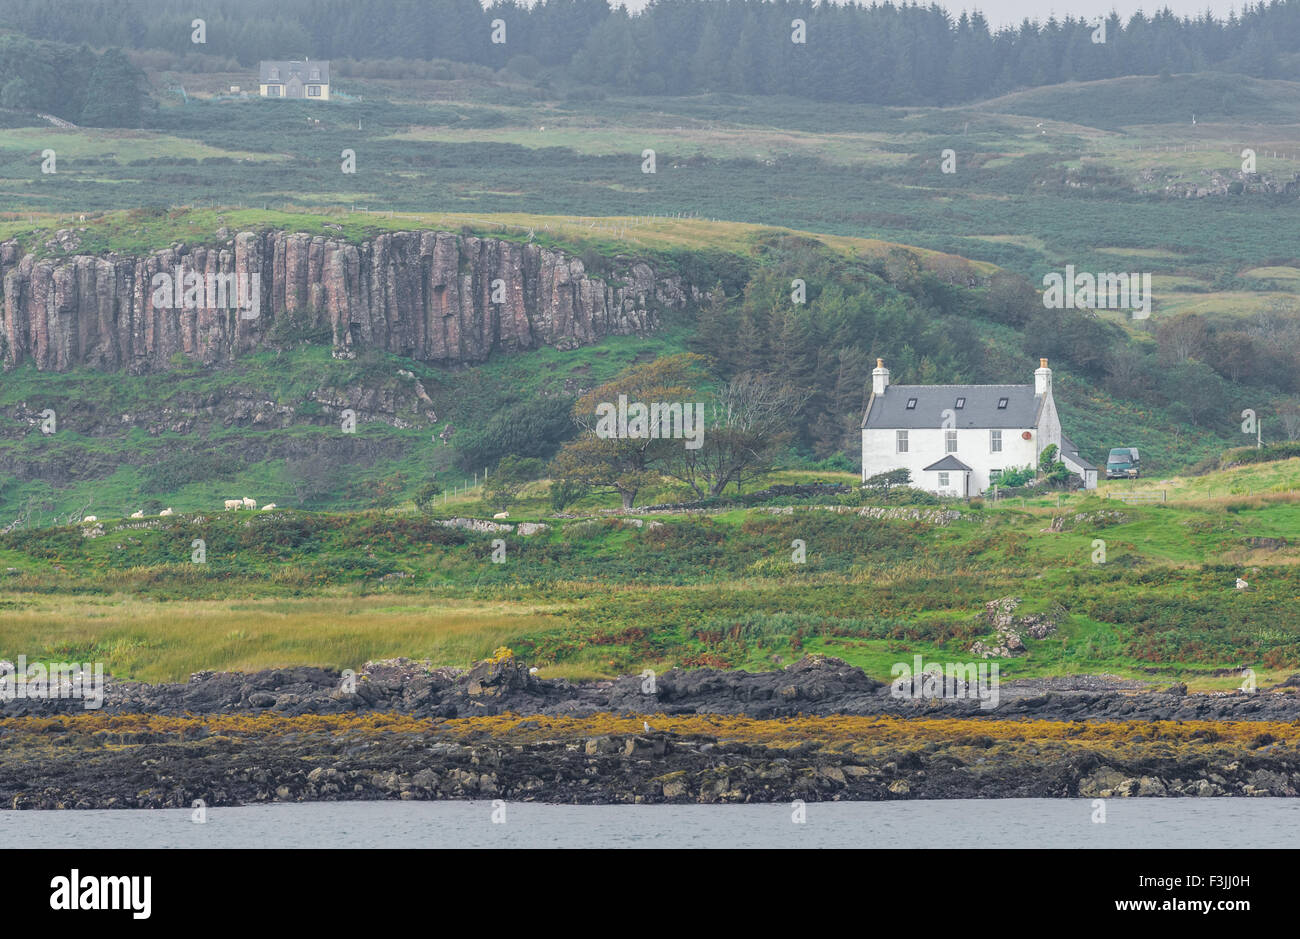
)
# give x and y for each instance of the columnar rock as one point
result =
(426, 295)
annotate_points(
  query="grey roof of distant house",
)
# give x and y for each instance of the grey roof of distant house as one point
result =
(948, 463)
(890, 410)
(288, 68)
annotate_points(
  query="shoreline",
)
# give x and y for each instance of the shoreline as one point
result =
(816, 731)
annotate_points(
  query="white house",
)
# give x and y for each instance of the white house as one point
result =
(306, 79)
(957, 439)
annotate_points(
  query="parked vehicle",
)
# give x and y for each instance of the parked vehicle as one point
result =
(1123, 463)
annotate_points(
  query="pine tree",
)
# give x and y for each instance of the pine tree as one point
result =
(116, 90)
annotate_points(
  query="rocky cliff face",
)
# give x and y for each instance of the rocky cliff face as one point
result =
(433, 296)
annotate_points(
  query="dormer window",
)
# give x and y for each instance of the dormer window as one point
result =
(911, 404)
(275, 74)
(961, 403)
(315, 74)
(1002, 403)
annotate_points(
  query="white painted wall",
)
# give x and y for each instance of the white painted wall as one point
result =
(974, 445)
(926, 446)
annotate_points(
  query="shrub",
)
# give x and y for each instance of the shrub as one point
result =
(1015, 476)
(883, 482)
(426, 496)
(565, 492)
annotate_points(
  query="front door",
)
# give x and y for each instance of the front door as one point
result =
(293, 87)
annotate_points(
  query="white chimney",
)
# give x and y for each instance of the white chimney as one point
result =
(1042, 378)
(879, 378)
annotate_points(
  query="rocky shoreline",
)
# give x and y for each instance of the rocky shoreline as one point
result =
(815, 685)
(816, 730)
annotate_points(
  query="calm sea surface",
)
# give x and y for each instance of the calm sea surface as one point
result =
(961, 823)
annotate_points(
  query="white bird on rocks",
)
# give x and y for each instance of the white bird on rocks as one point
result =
(646, 725)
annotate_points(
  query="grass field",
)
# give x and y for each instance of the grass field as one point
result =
(1066, 175)
(599, 596)
(1062, 162)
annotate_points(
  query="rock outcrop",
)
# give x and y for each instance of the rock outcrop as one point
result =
(814, 685)
(427, 295)
(1010, 629)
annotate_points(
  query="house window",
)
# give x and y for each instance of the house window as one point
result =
(900, 438)
(995, 475)
(315, 74)
(313, 91)
(995, 441)
(943, 479)
(275, 74)
(911, 404)
(961, 403)
(273, 91)
(1002, 403)
(950, 441)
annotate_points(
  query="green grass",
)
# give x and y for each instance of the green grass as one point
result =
(593, 598)
(601, 597)
(155, 641)
(764, 161)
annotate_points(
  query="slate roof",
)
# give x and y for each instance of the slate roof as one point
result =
(301, 69)
(889, 411)
(1070, 450)
(948, 464)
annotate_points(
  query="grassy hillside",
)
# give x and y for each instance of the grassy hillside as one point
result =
(1114, 103)
(1063, 162)
(600, 595)
(1105, 176)
(191, 437)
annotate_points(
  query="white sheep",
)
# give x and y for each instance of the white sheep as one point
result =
(167, 511)
(249, 503)
(268, 507)
(138, 514)
(502, 515)
(233, 504)
(89, 518)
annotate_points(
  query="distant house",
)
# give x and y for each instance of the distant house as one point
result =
(957, 439)
(305, 79)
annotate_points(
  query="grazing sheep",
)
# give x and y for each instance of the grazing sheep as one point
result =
(268, 507)
(89, 518)
(167, 511)
(502, 515)
(233, 504)
(138, 514)
(249, 503)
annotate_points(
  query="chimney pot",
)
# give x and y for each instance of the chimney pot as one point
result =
(1042, 378)
(879, 378)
